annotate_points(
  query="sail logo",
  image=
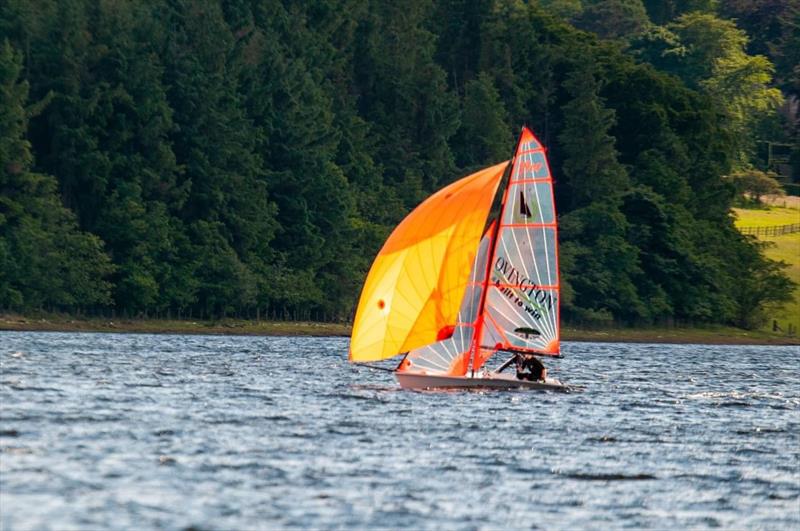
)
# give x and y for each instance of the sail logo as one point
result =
(531, 297)
(528, 166)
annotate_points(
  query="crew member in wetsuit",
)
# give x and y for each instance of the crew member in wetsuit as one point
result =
(529, 367)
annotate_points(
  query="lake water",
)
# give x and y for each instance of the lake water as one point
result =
(107, 431)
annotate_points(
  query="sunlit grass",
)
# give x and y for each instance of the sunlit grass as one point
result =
(785, 248)
(767, 217)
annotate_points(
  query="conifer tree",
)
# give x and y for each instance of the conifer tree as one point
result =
(613, 19)
(485, 135)
(45, 261)
(590, 168)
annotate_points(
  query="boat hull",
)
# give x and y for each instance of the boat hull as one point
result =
(410, 380)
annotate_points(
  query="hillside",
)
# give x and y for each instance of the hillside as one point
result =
(247, 159)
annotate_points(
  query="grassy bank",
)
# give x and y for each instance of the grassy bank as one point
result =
(711, 335)
(57, 323)
(785, 247)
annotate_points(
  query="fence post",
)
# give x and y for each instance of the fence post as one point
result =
(772, 230)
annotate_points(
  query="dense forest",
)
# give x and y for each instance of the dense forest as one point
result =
(248, 157)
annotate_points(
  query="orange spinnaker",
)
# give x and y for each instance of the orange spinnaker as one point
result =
(416, 283)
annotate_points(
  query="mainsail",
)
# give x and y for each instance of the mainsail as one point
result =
(515, 308)
(521, 311)
(414, 289)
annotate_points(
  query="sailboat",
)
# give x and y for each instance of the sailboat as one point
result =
(453, 285)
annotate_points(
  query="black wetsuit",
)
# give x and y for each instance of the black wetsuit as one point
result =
(529, 368)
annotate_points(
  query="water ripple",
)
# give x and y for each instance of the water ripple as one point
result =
(220, 432)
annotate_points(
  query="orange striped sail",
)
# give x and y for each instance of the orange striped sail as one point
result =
(512, 300)
(415, 287)
(452, 355)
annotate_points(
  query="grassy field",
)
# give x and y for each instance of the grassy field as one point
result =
(786, 248)
(58, 323)
(766, 217)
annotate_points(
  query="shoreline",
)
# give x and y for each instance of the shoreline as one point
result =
(716, 335)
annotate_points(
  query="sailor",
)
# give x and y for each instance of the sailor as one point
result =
(529, 367)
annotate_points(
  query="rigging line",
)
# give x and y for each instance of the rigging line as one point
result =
(429, 353)
(519, 291)
(557, 317)
(502, 367)
(401, 362)
(519, 253)
(429, 362)
(548, 326)
(458, 333)
(545, 240)
(535, 261)
(447, 350)
(539, 202)
(435, 351)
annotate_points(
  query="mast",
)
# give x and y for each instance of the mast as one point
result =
(476, 340)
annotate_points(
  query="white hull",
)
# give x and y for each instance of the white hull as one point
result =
(410, 380)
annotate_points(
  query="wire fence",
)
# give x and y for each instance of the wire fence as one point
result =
(775, 230)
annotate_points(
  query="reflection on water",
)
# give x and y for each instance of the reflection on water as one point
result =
(132, 431)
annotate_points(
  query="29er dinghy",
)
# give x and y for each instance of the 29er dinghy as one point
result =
(451, 288)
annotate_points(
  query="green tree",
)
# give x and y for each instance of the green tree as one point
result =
(766, 22)
(311, 135)
(613, 19)
(523, 69)
(45, 261)
(404, 94)
(753, 184)
(709, 54)
(217, 144)
(662, 11)
(590, 166)
(568, 9)
(601, 264)
(243, 156)
(457, 25)
(485, 136)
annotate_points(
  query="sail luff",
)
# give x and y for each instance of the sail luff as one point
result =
(476, 338)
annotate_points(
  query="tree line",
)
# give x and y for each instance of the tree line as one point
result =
(249, 157)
